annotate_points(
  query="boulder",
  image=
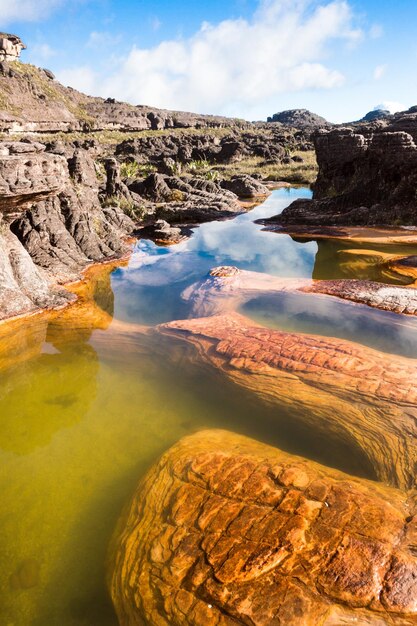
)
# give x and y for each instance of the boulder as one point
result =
(245, 186)
(224, 530)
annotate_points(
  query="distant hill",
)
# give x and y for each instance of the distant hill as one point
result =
(300, 118)
(377, 114)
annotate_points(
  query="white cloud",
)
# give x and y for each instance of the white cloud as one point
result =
(83, 78)
(43, 51)
(26, 10)
(103, 39)
(379, 71)
(237, 63)
(392, 107)
(376, 31)
(156, 23)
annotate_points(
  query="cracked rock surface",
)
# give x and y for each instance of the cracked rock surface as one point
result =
(224, 530)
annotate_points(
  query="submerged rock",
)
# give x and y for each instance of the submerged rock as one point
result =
(224, 530)
(340, 389)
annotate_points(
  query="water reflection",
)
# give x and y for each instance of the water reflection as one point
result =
(149, 289)
(366, 261)
(330, 317)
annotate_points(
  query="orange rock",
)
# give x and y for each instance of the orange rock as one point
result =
(225, 530)
(347, 391)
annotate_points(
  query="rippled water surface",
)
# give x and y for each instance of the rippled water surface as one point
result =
(85, 409)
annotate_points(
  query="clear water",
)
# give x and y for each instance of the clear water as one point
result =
(84, 410)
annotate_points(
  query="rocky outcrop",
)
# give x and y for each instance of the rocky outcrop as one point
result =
(385, 297)
(32, 101)
(269, 144)
(52, 224)
(186, 200)
(343, 390)
(224, 530)
(367, 176)
(374, 115)
(245, 186)
(10, 47)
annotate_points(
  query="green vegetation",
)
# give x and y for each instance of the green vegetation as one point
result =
(176, 195)
(130, 208)
(295, 173)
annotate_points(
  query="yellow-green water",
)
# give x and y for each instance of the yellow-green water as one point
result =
(86, 409)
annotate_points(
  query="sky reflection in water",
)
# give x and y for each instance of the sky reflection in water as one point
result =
(149, 289)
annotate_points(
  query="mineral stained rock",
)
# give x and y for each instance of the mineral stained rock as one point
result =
(386, 297)
(338, 388)
(224, 530)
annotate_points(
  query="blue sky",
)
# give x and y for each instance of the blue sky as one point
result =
(246, 58)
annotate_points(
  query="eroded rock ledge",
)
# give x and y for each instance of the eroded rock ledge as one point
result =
(225, 530)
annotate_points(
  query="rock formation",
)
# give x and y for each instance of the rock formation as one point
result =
(346, 391)
(188, 200)
(246, 187)
(52, 225)
(10, 47)
(367, 175)
(224, 531)
(227, 291)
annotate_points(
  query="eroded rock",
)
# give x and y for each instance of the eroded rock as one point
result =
(341, 389)
(224, 530)
(246, 187)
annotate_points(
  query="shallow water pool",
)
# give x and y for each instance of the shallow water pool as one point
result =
(85, 410)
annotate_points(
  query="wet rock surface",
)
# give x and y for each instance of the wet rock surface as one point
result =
(337, 387)
(385, 297)
(224, 530)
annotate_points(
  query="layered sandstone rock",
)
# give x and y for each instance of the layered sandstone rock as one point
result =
(343, 390)
(32, 101)
(224, 530)
(52, 225)
(385, 297)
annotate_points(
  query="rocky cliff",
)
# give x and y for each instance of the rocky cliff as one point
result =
(367, 175)
(52, 224)
(31, 100)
